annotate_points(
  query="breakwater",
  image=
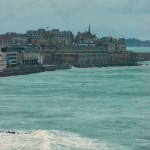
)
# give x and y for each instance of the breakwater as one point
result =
(31, 69)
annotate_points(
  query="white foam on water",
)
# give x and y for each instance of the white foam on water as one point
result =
(52, 140)
(143, 143)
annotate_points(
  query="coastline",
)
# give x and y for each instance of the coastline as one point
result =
(31, 69)
(108, 65)
(37, 69)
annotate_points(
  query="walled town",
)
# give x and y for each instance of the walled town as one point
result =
(45, 47)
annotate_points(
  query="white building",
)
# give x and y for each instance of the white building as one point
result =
(3, 61)
(11, 59)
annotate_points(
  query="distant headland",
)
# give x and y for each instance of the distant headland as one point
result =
(137, 43)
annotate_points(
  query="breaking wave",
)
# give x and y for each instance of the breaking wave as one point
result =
(51, 140)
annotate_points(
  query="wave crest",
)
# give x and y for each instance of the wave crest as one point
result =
(51, 140)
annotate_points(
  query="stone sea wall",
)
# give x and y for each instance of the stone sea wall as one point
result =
(87, 59)
(94, 58)
(140, 56)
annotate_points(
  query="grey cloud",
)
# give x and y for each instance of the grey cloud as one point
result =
(107, 17)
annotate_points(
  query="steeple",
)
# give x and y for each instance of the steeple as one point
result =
(89, 29)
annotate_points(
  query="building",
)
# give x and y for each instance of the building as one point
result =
(28, 56)
(10, 56)
(86, 38)
(61, 37)
(6, 40)
(40, 33)
(17, 56)
(12, 38)
(11, 59)
(111, 44)
(3, 61)
(121, 44)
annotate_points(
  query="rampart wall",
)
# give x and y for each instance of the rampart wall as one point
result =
(94, 58)
(87, 59)
(141, 56)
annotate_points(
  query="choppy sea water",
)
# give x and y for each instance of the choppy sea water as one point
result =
(139, 49)
(77, 109)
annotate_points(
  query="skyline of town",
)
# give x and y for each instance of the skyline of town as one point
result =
(74, 34)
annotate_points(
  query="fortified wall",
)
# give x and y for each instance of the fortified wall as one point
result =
(140, 56)
(87, 58)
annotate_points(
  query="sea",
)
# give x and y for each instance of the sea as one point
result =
(104, 108)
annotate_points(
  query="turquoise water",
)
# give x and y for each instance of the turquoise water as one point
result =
(139, 49)
(55, 110)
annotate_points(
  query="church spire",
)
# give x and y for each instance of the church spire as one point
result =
(89, 29)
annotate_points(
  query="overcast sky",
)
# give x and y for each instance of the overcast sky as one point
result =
(117, 18)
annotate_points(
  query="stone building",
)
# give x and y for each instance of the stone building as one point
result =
(12, 38)
(111, 44)
(6, 40)
(86, 38)
(36, 37)
(121, 44)
(41, 36)
(61, 37)
(40, 33)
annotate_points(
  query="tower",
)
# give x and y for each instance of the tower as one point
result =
(89, 29)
